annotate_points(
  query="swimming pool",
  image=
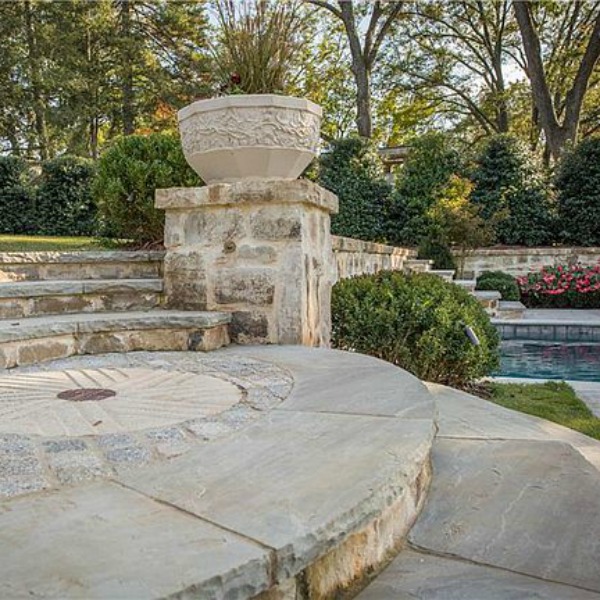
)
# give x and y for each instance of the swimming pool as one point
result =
(550, 360)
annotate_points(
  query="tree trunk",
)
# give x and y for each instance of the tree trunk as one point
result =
(557, 134)
(127, 85)
(363, 100)
(39, 105)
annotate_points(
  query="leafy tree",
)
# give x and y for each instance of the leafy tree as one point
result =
(560, 112)
(378, 19)
(578, 187)
(352, 170)
(458, 222)
(431, 163)
(511, 189)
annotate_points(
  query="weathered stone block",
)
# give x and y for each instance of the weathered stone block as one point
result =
(249, 327)
(254, 287)
(259, 254)
(269, 224)
(34, 351)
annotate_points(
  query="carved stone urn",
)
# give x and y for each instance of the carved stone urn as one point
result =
(237, 138)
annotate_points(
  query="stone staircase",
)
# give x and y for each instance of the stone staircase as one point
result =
(54, 305)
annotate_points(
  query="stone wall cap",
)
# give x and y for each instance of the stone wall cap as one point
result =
(249, 101)
(346, 244)
(259, 191)
(100, 256)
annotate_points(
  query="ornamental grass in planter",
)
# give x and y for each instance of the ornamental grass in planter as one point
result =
(562, 286)
(252, 131)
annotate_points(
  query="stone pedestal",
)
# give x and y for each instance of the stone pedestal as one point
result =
(258, 249)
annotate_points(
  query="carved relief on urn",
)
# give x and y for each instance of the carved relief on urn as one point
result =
(261, 136)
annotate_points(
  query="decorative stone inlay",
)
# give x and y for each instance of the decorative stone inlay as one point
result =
(165, 404)
(143, 398)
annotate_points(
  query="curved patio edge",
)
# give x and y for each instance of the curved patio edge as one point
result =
(311, 498)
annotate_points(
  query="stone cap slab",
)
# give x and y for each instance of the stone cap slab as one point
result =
(260, 191)
(108, 256)
(345, 244)
(12, 330)
(57, 287)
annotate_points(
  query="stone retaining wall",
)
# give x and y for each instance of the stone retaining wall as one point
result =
(521, 260)
(357, 257)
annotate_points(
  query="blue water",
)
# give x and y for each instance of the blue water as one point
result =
(550, 360)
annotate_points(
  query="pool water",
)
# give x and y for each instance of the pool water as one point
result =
(550, 360)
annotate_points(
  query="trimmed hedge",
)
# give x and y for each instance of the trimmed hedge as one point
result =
(417, 322)
(64, 201)
(500, 282)
(512, 190)
(578, 186)
(17, 199)
(129, 172)
(353, 171)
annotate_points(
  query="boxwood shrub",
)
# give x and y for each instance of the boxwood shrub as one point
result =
(417, 322)
(129, 172)
(64, 202)
(501, 282)
(17, 200)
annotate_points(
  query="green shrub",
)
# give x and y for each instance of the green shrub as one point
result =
(578, 187)
(353, 171)
(429, 166)
(512, 191)
(438, 252)
(129, 172)
(64, 202)
(416, 322)
(500, 282)
(16, 197)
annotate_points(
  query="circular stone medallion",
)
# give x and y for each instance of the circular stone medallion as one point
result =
(101, 401)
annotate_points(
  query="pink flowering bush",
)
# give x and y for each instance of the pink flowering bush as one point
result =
(562, 286)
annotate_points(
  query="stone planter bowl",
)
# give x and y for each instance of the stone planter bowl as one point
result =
(237, 138)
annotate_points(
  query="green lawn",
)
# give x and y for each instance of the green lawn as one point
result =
(26, 243)
(554, 401)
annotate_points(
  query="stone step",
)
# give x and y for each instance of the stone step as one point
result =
(36, 339)
(418, 265)
(468, 284)
(510, 309)
(510, 514)
(41, 266)
(314, 495)
(489, 300)
(20, 299)
(445, 274)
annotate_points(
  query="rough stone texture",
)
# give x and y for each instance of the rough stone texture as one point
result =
(357, 257)
(373, 460)
(258, 249)
(27, 266)
(520, 261)
(416, 576)
(38, 298)
(39, 339)
(166, 551)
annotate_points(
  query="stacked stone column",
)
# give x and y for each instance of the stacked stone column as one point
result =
(260, 250)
